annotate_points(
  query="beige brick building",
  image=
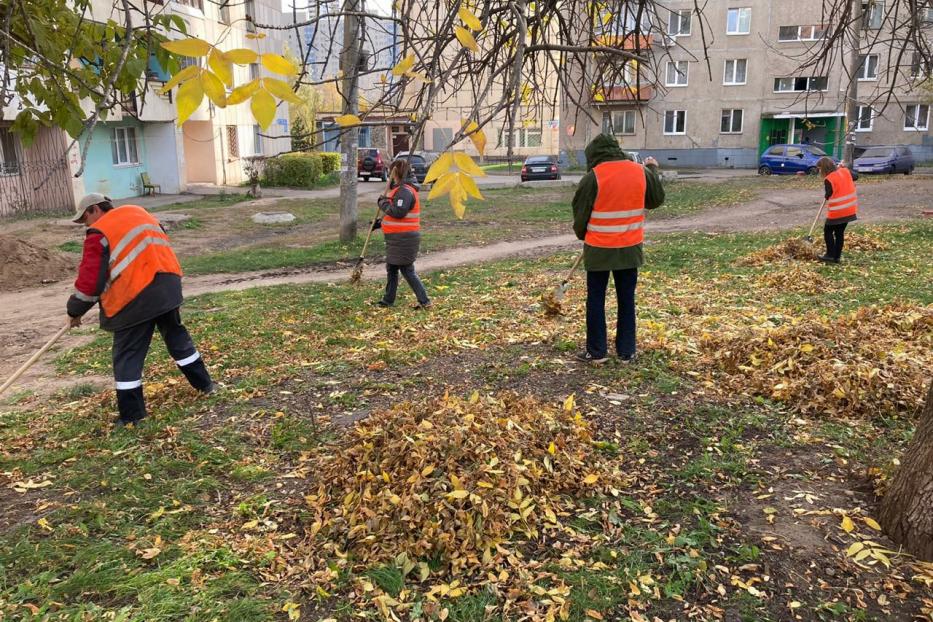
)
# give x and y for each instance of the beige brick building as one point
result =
(752, 93)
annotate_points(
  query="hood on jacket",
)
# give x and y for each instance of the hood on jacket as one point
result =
(603, 148)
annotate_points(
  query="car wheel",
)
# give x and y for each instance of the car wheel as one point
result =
(909, 171)
(365, 177)
(812, 170)
(558, 178)
(764, 170)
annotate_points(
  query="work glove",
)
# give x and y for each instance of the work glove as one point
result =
(377, 224)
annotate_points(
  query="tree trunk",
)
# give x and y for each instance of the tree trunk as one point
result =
(848, 151)
(349, 141)
(907, 509)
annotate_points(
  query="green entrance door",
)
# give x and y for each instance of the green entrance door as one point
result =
(773, 132)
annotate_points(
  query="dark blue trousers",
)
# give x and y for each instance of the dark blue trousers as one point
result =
(596, 285)
(410, 276)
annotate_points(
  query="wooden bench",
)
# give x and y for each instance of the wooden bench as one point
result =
(148, 186)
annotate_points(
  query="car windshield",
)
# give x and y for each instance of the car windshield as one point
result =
(538, 160)
(877, 152)
(817, 151)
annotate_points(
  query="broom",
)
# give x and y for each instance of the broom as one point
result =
(357, 273)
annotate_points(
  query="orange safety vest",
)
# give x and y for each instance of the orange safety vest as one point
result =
(843, 201)
(411, 221)
(139, 250)
(618, 217)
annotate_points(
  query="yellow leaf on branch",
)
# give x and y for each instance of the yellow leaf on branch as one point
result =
(221, 66)
(243, 92)
(404, 65)
(466, 164)
(467, 183)
(263, 107)
(443, 185)
(440, 166)
(466, 38)
(190, 94)
(347, 120)
(188, 47)
(189, 72)
(476, 135)
(469, 18)
(214, 89)
(457, 195)
(276, 63)
(281, 90)
(241, 56)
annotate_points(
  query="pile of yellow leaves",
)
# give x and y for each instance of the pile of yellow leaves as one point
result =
(863, 242)
(800, 278)
(871, 362)
(793, 248)
(458, 481)
(551, 305)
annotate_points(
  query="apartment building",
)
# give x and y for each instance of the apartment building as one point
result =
(752, 94)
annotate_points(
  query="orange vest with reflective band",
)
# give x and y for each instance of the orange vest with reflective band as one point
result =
(139, 250)
(618, 217)
(844, 201)
(412, 220)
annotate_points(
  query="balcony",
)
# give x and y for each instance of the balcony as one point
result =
(626, 42)
(623, 94)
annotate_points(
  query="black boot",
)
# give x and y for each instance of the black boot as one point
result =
(198, 376)
(132, 405)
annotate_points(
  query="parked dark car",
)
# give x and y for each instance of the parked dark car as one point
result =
(885, 160)
(369, 163)
(419, 165)
(790, 160)
(540, 167)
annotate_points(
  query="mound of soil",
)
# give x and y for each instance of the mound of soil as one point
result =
(25, 265)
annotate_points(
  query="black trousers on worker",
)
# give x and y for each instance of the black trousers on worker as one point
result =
(130, 346)
(596, 285)
(835, 237)
(410, 276)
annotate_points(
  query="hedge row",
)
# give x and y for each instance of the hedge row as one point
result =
(299, 170)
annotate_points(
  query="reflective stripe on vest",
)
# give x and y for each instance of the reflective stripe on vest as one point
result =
(844, 200)
(618, 217)
(139, 251)
(411, 221)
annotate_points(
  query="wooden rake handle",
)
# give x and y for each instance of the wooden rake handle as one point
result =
(370, 234)
(35, 357)
(573, 268)
(819, 211)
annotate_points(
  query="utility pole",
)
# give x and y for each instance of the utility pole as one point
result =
(848, 150)
(350, 66)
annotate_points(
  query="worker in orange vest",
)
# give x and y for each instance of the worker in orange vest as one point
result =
(609, 216)
(401, 224)
(129, 269)
(841, 206)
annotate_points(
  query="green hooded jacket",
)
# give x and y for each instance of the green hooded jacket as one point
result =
(604, 148)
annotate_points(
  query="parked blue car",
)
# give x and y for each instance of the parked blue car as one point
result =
(790, 159)
(885, 160)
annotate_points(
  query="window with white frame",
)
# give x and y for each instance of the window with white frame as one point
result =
(800, 85)
(194, 4)
(675, 122)
(926, 13)
(864, 119)
(868, 67)
(917, 117)
(123, 146)
(739, 21)
(735, 71)
(919, 68)
(9, 152)
(801, 33)
(522, 137)
(186, 61)
(678, 23)
(250, 9)
(253, 71)
(731, 121)
(623, 122)
(257, 140)
(676, 74)
(873, 14)
(224, 11)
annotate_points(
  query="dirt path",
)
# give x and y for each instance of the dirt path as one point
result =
(28, 317)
